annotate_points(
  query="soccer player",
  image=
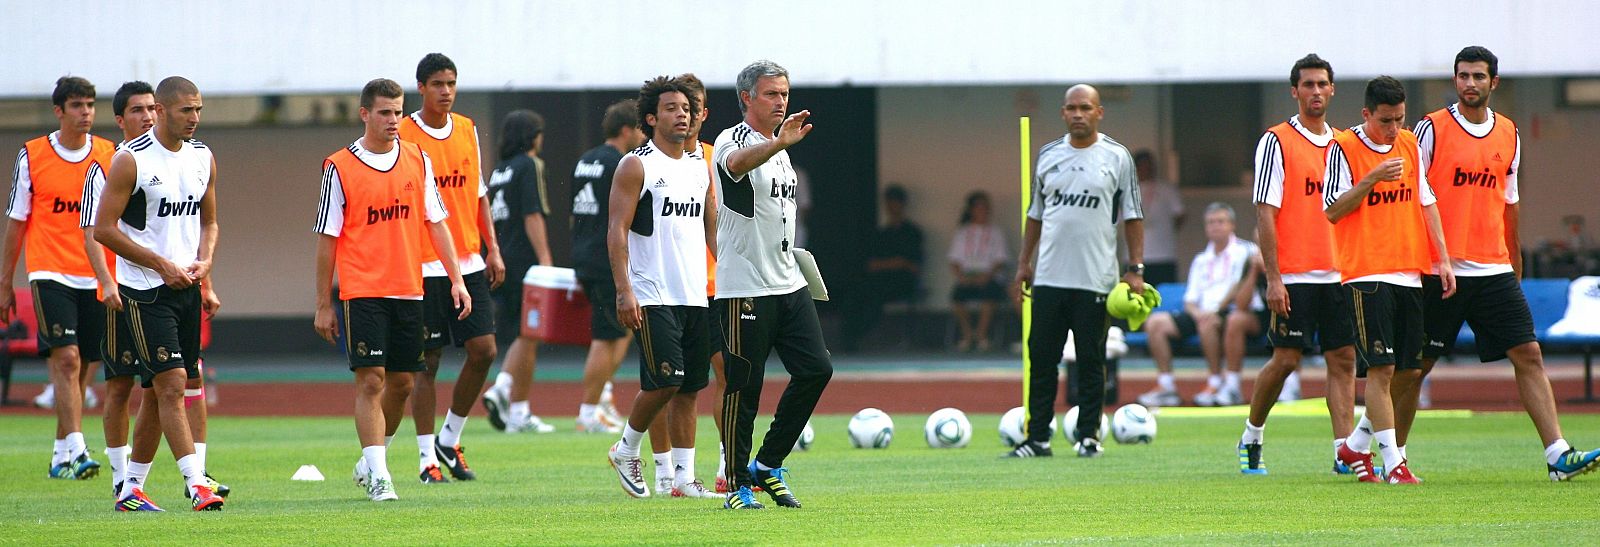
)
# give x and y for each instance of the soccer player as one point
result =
(519, 206)
(762, 301)
(657, 238)
(1083, 186)
(158, 214)
(45, 191)
(1309, 308)
(379, 206)
(134, 107)
(451, 141)
(1382, 225)
(591, 180)
(1471, 155)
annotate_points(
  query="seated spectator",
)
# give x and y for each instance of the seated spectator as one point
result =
(1163, 214)
(894, 267)
(1220, 304)
(977, 252)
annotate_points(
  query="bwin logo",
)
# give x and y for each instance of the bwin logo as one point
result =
(670, 209)
(1400, 195)
(64, 206)
(1313, 187)
(166, 208)
(391, 212)
(1484, 179)
(1074, 200)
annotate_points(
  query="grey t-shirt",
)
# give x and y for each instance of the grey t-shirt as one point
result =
(755, 221)
(1080, 195)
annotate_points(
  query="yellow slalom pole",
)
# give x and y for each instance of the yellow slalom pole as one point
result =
(1027, 310)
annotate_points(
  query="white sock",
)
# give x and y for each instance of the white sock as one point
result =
(451, 434)
(1252, 433)
(200, 452)
(682, 466)
(1291, 384)
(189, 466)
(587, 411)
(1165, 382)
(763, 467)
(519, 412)
(75, 445)
(1360, 440)
(1213, 382)
(58, 454)
(1230, 381)
(1045, 445)
(663, 462)
(377, 458)
(1403, 456)
(1336, 444)
(135, 477)
(1552, 453)
(502, 381)
(425, 452)
(117, 458)
(630, 442)
(722, 461)
(1387, 447)
(388, 440)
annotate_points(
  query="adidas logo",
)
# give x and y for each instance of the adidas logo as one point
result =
(154, 181)
(1496, 156)
(660, 183)
(584, 203)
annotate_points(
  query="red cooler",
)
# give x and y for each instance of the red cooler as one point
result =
(554, 308)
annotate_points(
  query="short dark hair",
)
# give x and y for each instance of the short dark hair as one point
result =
(1311, 60)
(70, 87)
(517, 133)
(621, 115)
(1384, 90)
(1478, 54)
(1144, 154)
(433, 63)
(650, 98)
(119, 102)
(895, 192)
(692, 83)
(173, 87)
(381, 87)
(972, 201)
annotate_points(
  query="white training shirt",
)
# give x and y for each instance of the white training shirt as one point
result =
(1425, 140)
(978, 248)
(473, 261)
(1269, 187)
(163, 214)
(667, 235)
(755, 221)
(331, 204)
(1163, 204)
(1337, 180)
(21, 206)
(1213, 273)
(1079, 197)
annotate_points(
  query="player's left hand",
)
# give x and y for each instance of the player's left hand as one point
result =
(209, 302)
(462, 299)
(1135, 282)
(198, 269)
(496, 270)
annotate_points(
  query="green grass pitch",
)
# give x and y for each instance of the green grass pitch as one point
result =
(1484, 483)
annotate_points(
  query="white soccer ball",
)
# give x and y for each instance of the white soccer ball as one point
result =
(1133, 424)
(807, 436)
(871, 428)
(1012, 429)
(948, 428)
(1070, 423)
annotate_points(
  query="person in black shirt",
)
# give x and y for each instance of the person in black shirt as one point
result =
(894, 267)
(518, 204)
(591, 181)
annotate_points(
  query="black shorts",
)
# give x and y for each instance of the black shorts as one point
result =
(163, 328)
(674, 348)
(1388, 326)
(990, 291)
(1492, 305)
(67, 317)
(439, 323)
(1319, 313)
(117, 347)
(508, 306)
(603, 322)
(384, 332)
